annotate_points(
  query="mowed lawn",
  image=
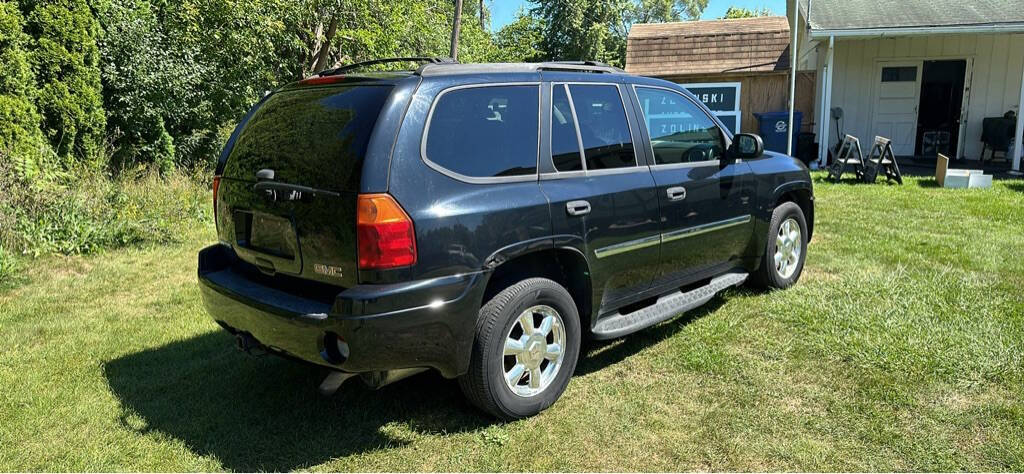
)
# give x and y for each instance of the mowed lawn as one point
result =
(900, 349)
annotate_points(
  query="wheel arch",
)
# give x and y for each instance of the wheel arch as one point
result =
(800, 193)
(566, 266)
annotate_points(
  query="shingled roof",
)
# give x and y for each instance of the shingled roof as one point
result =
(709, 47)
(840, 15)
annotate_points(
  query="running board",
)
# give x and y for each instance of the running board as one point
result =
(667, 307)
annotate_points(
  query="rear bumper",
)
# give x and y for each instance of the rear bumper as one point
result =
(425, 323)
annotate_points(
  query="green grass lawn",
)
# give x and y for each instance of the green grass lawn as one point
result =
(900, 349)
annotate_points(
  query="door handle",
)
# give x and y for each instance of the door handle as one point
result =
(676, 193)
(577, 208)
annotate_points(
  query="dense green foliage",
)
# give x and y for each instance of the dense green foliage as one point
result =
(115, 84)
(21, 138)
(739, 12)
(597, 29)
(94, 212)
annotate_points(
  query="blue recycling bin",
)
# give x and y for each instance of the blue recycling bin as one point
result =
(773, 127)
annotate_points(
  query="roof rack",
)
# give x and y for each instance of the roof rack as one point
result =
(434, 69)
(412, 59)
(585, 66)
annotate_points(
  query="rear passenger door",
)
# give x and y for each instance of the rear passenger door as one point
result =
(706, 202)
(597, 190)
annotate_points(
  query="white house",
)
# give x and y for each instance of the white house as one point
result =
(925, 73)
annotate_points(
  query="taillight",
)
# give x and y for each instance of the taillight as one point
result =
(216, 188)
(384, 233)
(320, 80)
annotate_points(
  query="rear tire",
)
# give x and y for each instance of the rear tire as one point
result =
(525, 351)
(786, 249)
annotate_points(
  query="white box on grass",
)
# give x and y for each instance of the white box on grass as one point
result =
(979, 180)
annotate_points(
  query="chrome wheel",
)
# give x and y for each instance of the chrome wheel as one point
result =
(534, 350)
(788, 245)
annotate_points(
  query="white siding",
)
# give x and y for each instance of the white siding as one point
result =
(995, 88)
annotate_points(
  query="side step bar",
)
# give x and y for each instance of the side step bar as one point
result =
(667, 307)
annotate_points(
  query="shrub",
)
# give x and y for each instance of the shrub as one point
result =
(94, 212)
(65, 59)
(145, 80)
(21, 140)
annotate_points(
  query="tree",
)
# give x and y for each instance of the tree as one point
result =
(65, 59)
(660, 11)
(739, 12)
(597, 29)
(21, 138)
(520, 41)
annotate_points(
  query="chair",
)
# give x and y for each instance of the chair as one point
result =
(996, 134)
(849, 154)
(881, 158)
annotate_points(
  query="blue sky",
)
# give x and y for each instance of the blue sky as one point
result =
(504, 11)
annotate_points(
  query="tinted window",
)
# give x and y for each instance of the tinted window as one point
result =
(565, 145)
(602, 120)
(312, 136)
(485, 131)
(680, 131)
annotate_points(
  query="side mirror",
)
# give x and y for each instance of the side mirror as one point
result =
(746, 145)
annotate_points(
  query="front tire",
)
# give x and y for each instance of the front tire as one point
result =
(525, 351)
(786, 250)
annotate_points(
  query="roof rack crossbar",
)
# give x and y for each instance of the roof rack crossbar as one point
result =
(372, 62)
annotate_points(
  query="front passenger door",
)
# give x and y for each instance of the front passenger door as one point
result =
(705, 202)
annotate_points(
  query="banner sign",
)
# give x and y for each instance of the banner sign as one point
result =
(723, 98)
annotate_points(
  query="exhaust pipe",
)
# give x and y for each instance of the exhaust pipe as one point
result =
(247, 344)
(333, 382)
(380, 378)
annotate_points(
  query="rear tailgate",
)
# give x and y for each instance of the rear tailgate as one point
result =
(287, 197)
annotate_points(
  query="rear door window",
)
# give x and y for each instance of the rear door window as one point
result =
(486, 131)
(565, 143)
(607, 141)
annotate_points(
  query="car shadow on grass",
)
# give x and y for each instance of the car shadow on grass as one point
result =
(264, 414)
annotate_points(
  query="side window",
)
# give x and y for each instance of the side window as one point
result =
(565, 145)
(607, 142)
(680, 131)
(485, 132)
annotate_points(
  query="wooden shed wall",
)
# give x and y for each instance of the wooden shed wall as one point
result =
(765, 92)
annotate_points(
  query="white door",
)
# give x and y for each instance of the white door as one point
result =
(898, 94)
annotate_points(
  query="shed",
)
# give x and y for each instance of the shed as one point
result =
(749, 56)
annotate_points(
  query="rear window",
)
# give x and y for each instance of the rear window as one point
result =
(314, 137)
(485, 132)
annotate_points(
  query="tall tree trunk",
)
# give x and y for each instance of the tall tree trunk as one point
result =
(482, 27)
(455, 30)
(324, 53)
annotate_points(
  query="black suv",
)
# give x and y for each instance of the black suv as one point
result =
(480, 219)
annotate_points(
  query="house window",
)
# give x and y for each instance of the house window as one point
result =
(899, 74)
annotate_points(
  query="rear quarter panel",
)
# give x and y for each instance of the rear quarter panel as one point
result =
(459, 224)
